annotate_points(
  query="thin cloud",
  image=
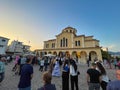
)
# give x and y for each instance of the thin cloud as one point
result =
(113, 47)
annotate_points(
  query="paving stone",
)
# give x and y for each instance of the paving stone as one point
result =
(11, 80)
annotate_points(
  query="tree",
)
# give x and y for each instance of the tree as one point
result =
(105, 55)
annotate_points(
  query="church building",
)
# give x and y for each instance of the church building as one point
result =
(68, 43)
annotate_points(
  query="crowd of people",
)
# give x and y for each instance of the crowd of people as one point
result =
(65, 67)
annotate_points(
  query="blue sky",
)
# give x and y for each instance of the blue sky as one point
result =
(40, 20)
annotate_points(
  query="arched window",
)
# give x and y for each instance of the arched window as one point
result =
(66, 42)
(75, 43)
(61, 43)
(78, 43)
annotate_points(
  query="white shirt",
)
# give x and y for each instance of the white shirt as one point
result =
(42, 63)
(72, 71)
(105, 78)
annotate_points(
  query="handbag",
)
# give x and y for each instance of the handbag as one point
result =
(78, 73)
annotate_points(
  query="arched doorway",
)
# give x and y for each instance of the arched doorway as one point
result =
(93, 55)
(55, 53)
(60, 53)
(67, 54)
(83, 56)
(74, 54)
(45, 53)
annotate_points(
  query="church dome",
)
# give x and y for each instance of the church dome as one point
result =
(70, 30)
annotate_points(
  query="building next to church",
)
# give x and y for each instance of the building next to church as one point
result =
(17, 47)
(68, 43)
(3, 45)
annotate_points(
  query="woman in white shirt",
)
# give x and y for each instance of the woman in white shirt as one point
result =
(73, 74)
(41, 64)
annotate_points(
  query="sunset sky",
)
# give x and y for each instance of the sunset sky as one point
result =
(35, 21)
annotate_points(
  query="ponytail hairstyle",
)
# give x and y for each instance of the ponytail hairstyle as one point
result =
(101, 68)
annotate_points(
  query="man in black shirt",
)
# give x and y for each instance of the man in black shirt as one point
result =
(93, 78)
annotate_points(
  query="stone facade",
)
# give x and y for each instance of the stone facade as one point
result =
(70, 44)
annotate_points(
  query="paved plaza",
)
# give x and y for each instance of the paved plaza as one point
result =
(11, 80)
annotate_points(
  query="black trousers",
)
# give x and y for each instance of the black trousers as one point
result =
(104, 85)
(65, 80)
(74, 81)
(20, 68)
(41, 68)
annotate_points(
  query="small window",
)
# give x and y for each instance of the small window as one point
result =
(75, 43)
(3, 40)
(61, 43)
(53, 45)
(66, 42)
(1, 45)
(78, 43)
(47, 45)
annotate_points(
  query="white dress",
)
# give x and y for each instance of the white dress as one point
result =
(56, 69)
